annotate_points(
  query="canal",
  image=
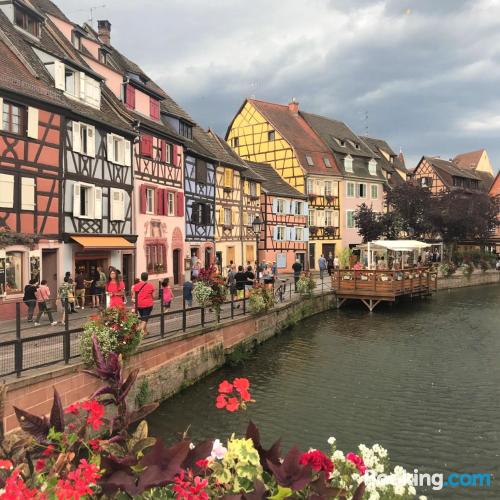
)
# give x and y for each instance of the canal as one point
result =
(422, 379)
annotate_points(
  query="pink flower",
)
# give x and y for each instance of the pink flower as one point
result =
(318, 461)
(221, 401)
(225, 387)
(232, 404)
(357, 461)
(6, 464)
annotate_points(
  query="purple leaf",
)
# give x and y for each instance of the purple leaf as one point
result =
(259, 492)
(102, 391)
(273, 454)
(291, 474)
(142, 412)
(358, 494)
(199, 452)
(120, 480)
(57, 413)
(321, 488)
(127, 385)
(32, 424)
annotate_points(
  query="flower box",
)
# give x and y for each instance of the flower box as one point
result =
(364, 278)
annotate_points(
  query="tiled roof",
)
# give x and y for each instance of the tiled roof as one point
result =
(372, 142)
(469, 160)
(449, 168)
(223, 152)
(50, 8)
(273, 184)
(300, 136)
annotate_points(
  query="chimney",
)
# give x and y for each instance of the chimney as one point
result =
(293, 106)
(104, 29)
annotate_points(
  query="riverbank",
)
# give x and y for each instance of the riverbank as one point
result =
(171, 364)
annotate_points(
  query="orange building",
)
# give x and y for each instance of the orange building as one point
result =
(495, 193)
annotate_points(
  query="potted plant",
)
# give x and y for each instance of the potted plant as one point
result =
(306, 285)
(210, 290)
(261, 299)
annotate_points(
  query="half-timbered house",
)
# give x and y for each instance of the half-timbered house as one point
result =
(279, 135)
(284, 213)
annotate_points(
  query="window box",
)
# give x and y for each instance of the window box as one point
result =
(254, 197)
(331, 200)
(311, 197)
(313, 229)
(227, 227)
(330, 230)
(228, 189)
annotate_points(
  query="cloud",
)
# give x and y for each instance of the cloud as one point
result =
(426, 72)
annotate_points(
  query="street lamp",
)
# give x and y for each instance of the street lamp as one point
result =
(256, 227)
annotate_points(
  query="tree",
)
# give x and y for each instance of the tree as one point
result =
(392, 225)
(368, 223)
(412, 206)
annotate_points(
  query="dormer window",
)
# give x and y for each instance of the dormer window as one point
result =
(76, 40)
(342, 143)
(185, 129)
(372, 167)
(103, 56)
(356, 145)
(348, 163)
(327, 162)
(77, 84)
(26, 21)
(309, 160)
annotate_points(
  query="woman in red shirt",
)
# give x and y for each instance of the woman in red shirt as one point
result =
(144, 301)
(115, 289)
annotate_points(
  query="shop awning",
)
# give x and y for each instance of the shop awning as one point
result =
(103, 243)
(395, 245)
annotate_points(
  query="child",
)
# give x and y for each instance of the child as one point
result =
(187, 292)
(166, 293)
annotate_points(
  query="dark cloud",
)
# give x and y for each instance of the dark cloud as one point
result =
(427, 72)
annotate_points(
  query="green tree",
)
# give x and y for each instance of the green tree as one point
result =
(368, 222)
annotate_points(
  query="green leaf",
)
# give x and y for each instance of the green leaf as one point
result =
(142, 444)
(282, 493)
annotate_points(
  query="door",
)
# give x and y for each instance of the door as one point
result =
(250, 254)
(127, 270)
(49, 270)
(230, 255)
(218, 260)
(302, 259)
(312, 255)
(329, 250)
(177, 266)
(208, 253)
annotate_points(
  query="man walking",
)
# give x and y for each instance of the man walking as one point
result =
(297, 269)
(322, 266)
(80, 289)
(43, 299)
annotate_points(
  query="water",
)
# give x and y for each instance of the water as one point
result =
(422, 379)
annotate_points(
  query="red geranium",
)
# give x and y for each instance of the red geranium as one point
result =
(94, 409)
(233, 396)
(40, 465)
(357, 461)
(15, 489)
(188, 487)
(318, 461)
(225, 387)
(79, 482)
(5, 464)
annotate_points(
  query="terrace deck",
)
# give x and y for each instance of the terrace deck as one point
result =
(373, 287)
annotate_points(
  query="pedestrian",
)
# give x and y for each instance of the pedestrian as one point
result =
(322, 266)
(80, 289)
(101, 288)
(274, 270)
(94, 289)
(166, 293)
(329, 265)
(240, 279)
(29, 298)
(381, 264)
(336, 263)
(43, 299)
(187, 293)
(115, 289)
(144, 301)
(63, 293)
(297, 269)
(71, 296)
(195, 273)
(229, 267)
(230, 282)
(267, 277)
(250, 279)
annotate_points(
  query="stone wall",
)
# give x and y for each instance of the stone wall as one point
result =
(458, 280)
(166, 366)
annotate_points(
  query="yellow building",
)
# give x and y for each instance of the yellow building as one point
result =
(278, 135)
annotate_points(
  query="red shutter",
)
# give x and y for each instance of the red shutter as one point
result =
(154, 108)
(175, 155)
(146, 145)
(160, 207)
(165, 201)
(163, 151)
(144, 200)
(130, 96)
(179, 204)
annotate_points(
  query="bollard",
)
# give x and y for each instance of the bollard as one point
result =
(66, 337)
(162, 319)
(232, 305)
(184, 314)
(18, 351)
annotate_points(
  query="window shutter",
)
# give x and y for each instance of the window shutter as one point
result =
(97, 203)
(27, 193)
(305, 209)
(175, 155)
(246, 188)
(91, 141)
(128, 153)
(245, 218)
(293, 207)
(306, 234)
(286, 207)
(220, 218)
(161, 209)
(165, 201)
(130, 96)
(154, 108)
(163, 151)
(275, 233)
(77, 140)
(179, 204)
(275, 206)
(257, 189)
(336, 218)
(117, 211)
(147, 145)
(288, 236)
(82, 85)
(206, 214)
(234, 216)
(33, 123)
(110, 148)
(76, 199)
(143, 200)
(292, 236)
(1, 113)
(59, 75)
(6, 191)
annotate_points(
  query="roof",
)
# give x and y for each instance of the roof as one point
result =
(449, 168)
(223, 152)
(299, 135)
(273, 183)
(495, 186)
(396, 245)
(50, 8)
(252, 174)
(469, 160)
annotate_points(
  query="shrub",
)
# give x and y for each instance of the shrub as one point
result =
(467, 270)
(116, 329)
(261, 299)
(484, 266)
(306, 285)
(447, 269)
(210, 290)
(202, 293)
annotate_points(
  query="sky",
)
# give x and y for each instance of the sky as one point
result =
(422, 74)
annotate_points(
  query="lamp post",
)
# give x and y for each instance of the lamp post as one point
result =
(256, 227)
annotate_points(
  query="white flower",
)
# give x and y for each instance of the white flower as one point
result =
(422, 497)
(331, 440)
(191, 446)
(218, 451)
(399, 490)
(338, 455)
(412, 490)
(374, 496)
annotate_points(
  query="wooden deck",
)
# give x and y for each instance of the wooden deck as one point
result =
(373, 287)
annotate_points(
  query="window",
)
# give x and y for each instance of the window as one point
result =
(117, 202)
(328, 188)
(299, 234)
(119, 150)
(26, 21)
(156, 258)
(228, 178)
(228, 217)
(329, 218)
(350, 189)
(171, 203)
(350, 218)
(271, 135)
(280, 233)
(348, 163)
(374, 191)
(154, 108)
(249, 217)
(200, 214)
(28, 193)
(327, 162)
(150, 201)
(6, 191)
(87, 201)
(372, 167)
(361, 190)
(103, 56)
(312, 218)
(76, 40)
(83, 139)
(13, 118)
(185, 129)
(70, 81)
(201, 171)
(13, 272)
(342, 143)
(310, 186)
(299, 208)
(309, 160)
(252, 188)
(280, 206)
(235, 142)
(426, 182)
